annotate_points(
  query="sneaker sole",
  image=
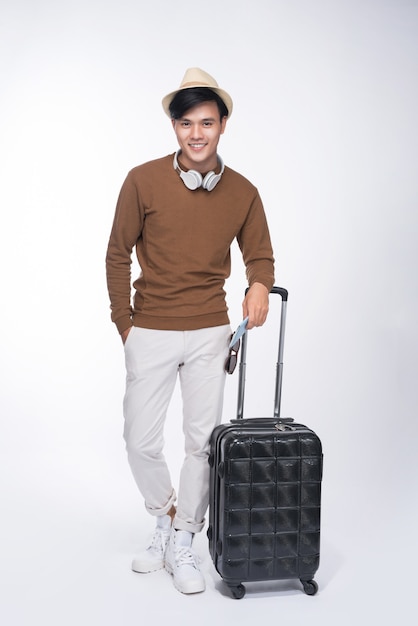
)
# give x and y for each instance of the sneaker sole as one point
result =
(146, 569)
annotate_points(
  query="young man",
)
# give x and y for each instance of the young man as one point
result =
(181, 213)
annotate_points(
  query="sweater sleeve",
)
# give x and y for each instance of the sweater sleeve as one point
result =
(126, 230)
(255, 244)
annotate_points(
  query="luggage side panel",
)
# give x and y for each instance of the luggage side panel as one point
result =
(215, 487)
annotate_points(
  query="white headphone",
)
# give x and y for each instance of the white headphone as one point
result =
(193, 179)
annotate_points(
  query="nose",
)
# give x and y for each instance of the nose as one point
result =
(196, 131)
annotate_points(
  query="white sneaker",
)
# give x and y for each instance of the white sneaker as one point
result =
(182, 563)
(152, 559)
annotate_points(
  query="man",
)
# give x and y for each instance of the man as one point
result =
(181, 213)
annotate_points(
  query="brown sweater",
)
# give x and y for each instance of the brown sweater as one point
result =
(182, 241)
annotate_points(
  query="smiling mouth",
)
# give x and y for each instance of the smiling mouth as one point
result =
(197, 145)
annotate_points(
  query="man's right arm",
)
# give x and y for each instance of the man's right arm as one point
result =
(126, 229)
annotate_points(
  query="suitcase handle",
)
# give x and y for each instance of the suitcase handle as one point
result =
(263, 420)
(282, 424)
(283, 293)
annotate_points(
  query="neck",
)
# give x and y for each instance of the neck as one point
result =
(203, 167)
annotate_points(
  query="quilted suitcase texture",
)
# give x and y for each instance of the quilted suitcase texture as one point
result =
(265, 494)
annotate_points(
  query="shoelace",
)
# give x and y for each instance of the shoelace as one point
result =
(159, 540)
(185, 556)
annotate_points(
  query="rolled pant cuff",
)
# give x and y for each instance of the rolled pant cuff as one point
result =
(180, 524)
(165, 509)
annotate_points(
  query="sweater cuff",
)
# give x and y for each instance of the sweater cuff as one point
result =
(267, 282)
(123, 323)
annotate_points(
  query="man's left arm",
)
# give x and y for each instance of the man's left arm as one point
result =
(254, 241)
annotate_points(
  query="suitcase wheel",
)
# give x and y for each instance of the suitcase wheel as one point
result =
(237, 591)
(310, 587)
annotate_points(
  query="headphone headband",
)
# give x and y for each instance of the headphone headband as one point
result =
(193, 179)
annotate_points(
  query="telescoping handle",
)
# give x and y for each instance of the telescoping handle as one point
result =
(279, 366)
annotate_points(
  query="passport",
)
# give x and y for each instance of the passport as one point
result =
(239, 332)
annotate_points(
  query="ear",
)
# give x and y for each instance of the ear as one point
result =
(223, 124)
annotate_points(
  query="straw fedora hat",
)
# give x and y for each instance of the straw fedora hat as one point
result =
(195, 77)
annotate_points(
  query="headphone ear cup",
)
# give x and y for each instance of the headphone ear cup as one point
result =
(210, 181)
(192, 179)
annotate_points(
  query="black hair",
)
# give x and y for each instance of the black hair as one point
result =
(185, 99)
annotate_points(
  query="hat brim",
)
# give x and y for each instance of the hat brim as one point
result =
(166, 101)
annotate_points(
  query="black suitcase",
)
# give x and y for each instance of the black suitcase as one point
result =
(265, 492)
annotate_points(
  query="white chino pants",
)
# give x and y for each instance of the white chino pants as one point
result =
(154, 359)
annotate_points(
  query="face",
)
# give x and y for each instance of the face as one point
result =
(198, 133)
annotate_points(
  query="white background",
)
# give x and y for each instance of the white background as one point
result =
(325, 125)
